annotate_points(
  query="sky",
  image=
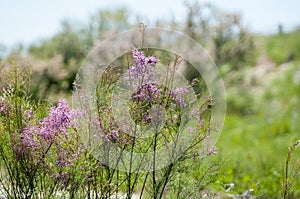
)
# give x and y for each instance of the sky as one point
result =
(28, 21)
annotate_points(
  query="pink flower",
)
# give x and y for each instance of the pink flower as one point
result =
(212, 151)
(57, 122)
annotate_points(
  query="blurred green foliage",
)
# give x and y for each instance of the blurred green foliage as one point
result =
(226, 38)
(284, 47)
(256, 145)
(222, 33)
(68, 43)
(63, 53)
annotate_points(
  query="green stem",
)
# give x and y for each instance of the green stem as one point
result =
(286, 171)
(144, 184)
(154, 165)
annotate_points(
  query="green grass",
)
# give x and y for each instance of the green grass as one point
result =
(283, 47)
(254, 157)
(255, 146)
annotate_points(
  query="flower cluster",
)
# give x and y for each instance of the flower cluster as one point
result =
(175, 95)
(62, 177)
(212, 150)
(148, 89)
(113, 135)
(148, 92)
(58, 121)
(63, 158)
(143, 66)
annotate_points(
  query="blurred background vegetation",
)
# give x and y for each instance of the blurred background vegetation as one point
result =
(261, 74)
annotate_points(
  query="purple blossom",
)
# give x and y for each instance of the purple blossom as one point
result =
(58, 121)
(113, 136)
(180, 102)
(147, 118)
(138, 56)
(141, 60)
(182, 90)
(175, 95)
(29, 139)
(143, 69)
(63, 176)
(151, 61)
(143, 66)
(212, 150)
(148, 92)
(62, 157)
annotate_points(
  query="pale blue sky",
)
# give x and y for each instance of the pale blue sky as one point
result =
(27, 21)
